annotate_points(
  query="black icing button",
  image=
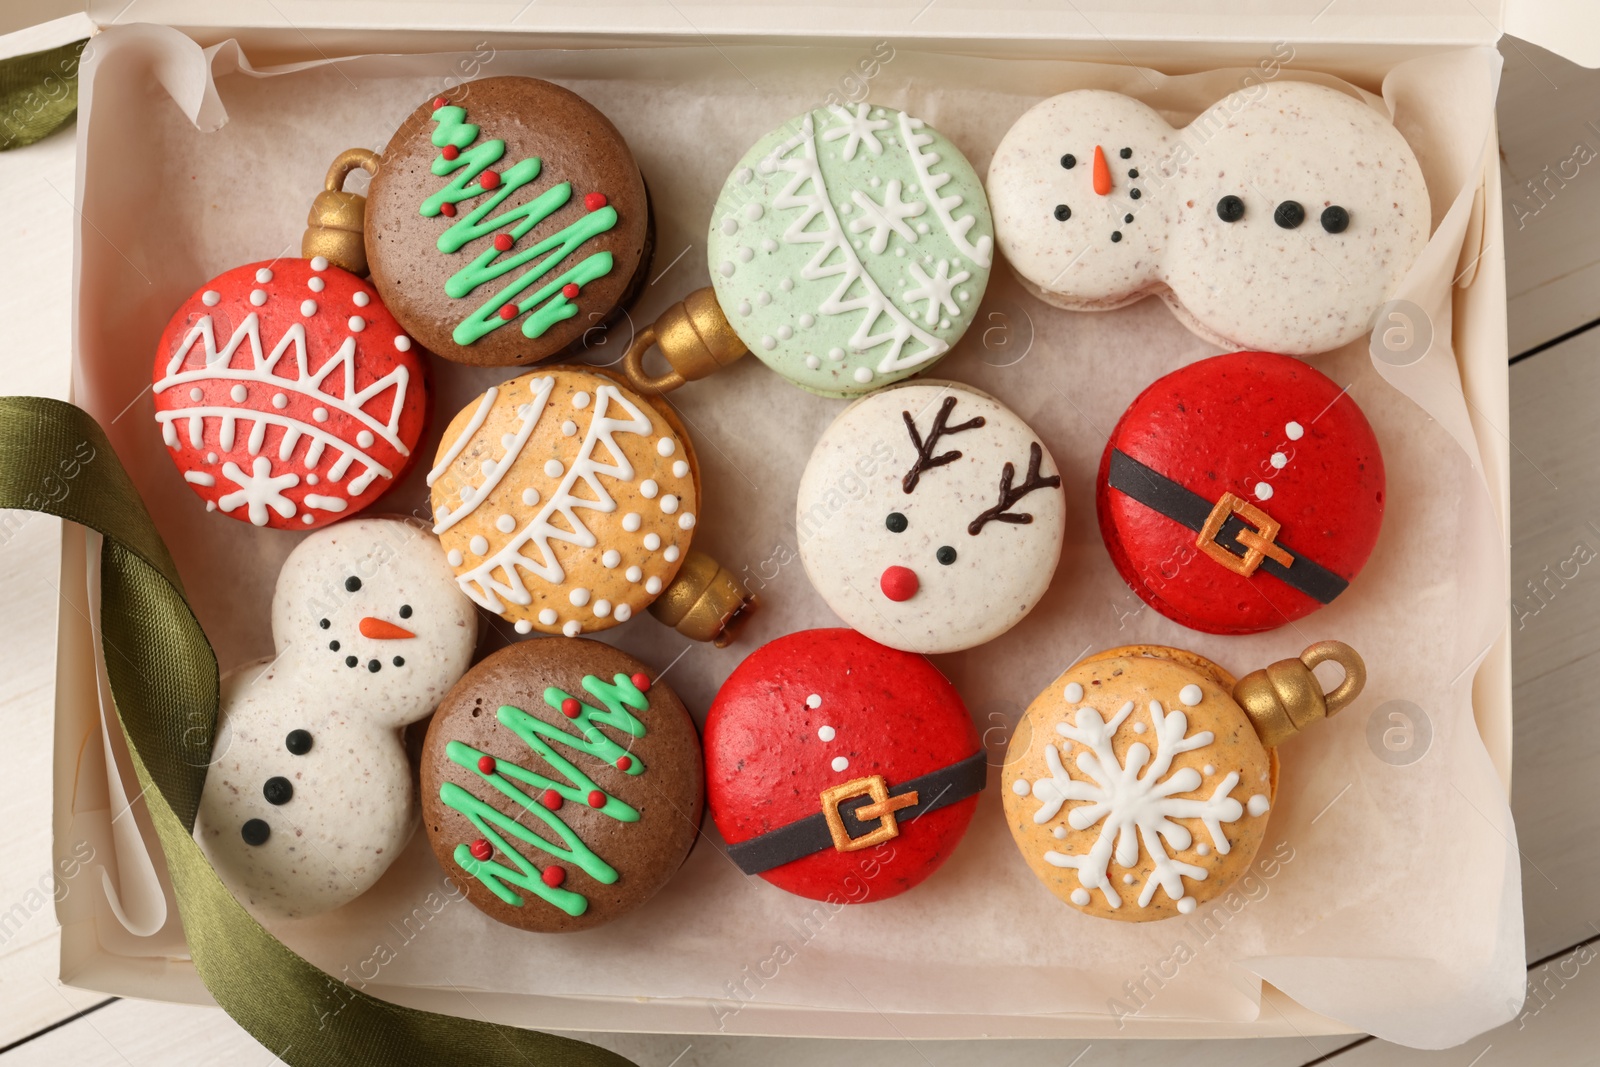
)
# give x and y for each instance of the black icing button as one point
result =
(298, 742)
(946, 555)
(1069, 161)
(1335, 219)
(1126, 153)
(255, 832)
(1289, 214)
(278, 790)
(1116, 235)
(1230, 209)
(374, 666)
(1063, 213)
(350, 661)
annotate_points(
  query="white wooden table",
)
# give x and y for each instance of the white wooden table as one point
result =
(1553, 258)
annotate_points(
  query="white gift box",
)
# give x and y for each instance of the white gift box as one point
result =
(201, 143)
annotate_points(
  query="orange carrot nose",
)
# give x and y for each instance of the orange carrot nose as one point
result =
(1102, 173)
(383, 629)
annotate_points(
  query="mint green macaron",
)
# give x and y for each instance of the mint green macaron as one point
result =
(850, 248)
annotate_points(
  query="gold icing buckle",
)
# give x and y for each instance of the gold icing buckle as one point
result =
(882, 808)
(1258, 542)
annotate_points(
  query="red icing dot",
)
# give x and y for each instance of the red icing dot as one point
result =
(447, 209)
(898, 583)
(597, 799)
(570, 291)
(481, 849)
(594, 201)
(449, 151)
(641, 682)
(569, 708)
(508, 312)
(486, 764)
(489, 180)
(623, 763)
(502, 241)
(553, 876)
(550, 799)
(439, 102)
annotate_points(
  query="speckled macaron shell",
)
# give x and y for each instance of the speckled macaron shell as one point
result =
(565, 501)
(855, 482)
(666, 795)
(1160, 227)
(371, 632)
(850, 248)
(1140, 678)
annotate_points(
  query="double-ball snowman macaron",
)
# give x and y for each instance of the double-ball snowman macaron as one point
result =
(930, 517)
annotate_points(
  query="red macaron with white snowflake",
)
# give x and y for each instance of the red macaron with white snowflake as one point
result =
(287, 394)
(1241, 493)
(840, 769)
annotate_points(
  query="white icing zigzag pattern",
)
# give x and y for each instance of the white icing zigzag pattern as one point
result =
(931, 183)
(480, 582)
(846, 265)
(495, 469)
(1131, 804)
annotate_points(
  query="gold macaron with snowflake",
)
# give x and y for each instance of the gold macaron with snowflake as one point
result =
(1138, 785)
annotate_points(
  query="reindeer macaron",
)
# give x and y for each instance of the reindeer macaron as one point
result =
(930, 517)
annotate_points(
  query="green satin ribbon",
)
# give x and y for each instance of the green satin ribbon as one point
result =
(38, 94)
(54, 458)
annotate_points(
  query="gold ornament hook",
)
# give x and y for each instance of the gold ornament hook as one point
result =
(1284, 698)
(334, 225)
(694, 336)
(705, 602)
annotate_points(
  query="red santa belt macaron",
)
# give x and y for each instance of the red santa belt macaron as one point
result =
(860, 814)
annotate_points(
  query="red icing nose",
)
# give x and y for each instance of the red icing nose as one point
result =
(383, 629)
(898, 583)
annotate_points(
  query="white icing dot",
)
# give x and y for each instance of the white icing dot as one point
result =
(768, 165)
(669, 503)
(553, 468)
(569, 428)
(680, 469)
(548, 617)
(631, 521)
(944, 324)
(361, 299)
(745, 254)
(752, 212)
(784, 333)
(402, 343)
(863, 374)
(357, 324)
(1139, 727)
(1258, 805)
(1208, 769)
(726, 269)
(316, 285)
(610, 558)
(311, 479)
(963, 296)
(836, 354)
(530, 497)
(786, 285)
(479, 545)
(523, 626)
(686, 521)
(1294, 431)
(769, 342)
(768, 245)
(210, 297)
(1080, 897)
(653, 586)
(580, 400)
(211, 457)
(1279, 460)
(922, 227)
(319, 263)
(814, 701)
(508, 441)
(280, 401)
(633, 574)
(579, 597)
(1263, 491)
(744, 307)
(652, 541)
(826, 733)
(258, 297)
(671, 554)
(1073, 692)
(840, 763)
(602, 608)
(744, 174)
(467, 493)
(454, 557)
(1059, 833)
(365, 438)
(900, 251)
(1186, 905)
(730, 226)
(622, 613)
(763, 298)
(856, 244)
(1202, 849)
(666, 446)
(813, 363)
(505, 524)
(305, 518)
(1190, 695)
(1127, 879)
(320, 414)
(1020, 787)
(263, 275)
(488, 467)
(572, 628)
(807, 320)
(196, 393)
(648, 489)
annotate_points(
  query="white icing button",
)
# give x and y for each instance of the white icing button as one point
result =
(361, 299)
(548, 617)
(1139, 727)
(1186, 905)
(1059, 833)
(263, 275)
(453, 557)
(631, 521)
(580, 400)
(357, 324)
(569, 428)
(669, 503)
(1263, 491)
(652, 541)
(730, 226)
(686, 521)
(554, 468)
(572, 628)
(680, 469)
(611, 558)
(745, 308)
(1208, 769)
(280, 401)
(1258, 805)
(863, 375)
(815, 701)
(211, 457)
(784, 333)
(320, 414)
(836, 354)
(365, 438)
(648, 489)
(306, 518)
(746, 254)
(579, 597)
(840, 763)
(633, 574)
(826, 733)
(196, 393)
(1279, 460)
(1294, 431)
(523, 626)
(402, 342)
(807, 320)
(602, 608)
(505, 524)
(1073, 692)
(1127, 879)
(1202, 849)
(530, 497)
(1020, 787)
(726, 270)
(763, 298)
(752, 212)
(622, 613)
(813, 363)
(671, 554)
(311, 479)
(653, 586)
(479, 545)
(666, 446)
(1190, 695)
(319, 263)
(769, 342)
(1080, 897)
(258, 297)
(238, 393)
(210, 297)
(786, 285)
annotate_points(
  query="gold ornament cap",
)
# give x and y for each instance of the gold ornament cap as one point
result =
(705, 602)
(694, 336)
(334, 225)
(1284, 698)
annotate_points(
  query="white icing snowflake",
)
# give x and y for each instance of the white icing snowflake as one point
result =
(1133, 804)
(937, 290)
(259, 490)
(888, 216)
(857, 129)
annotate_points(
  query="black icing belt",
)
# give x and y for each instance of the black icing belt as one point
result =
(1163, 495)
(801, 838)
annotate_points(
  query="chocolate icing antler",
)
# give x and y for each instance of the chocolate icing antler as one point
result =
(925, 459)
(1009, 496)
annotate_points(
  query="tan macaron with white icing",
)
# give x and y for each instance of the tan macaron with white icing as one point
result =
(930, 517)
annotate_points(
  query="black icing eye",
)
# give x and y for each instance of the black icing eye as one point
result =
(255, 832)
(1289, 214)
(1126, 153)
(1063, 213)
(1134, 194)
(324, 623)
(1116, 235)
(1127, 218)
(1230, 209)
(333, 646)
(374, 666)
(298, 742)
(350, 661)
(352, 583)
(946, 555)
(405, 611)
(399, 661)
(1069, 161)
(896, 522)
(278, 790)
(1335, 219)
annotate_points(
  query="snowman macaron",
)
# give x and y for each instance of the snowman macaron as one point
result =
(309, 796)
(930, 517)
